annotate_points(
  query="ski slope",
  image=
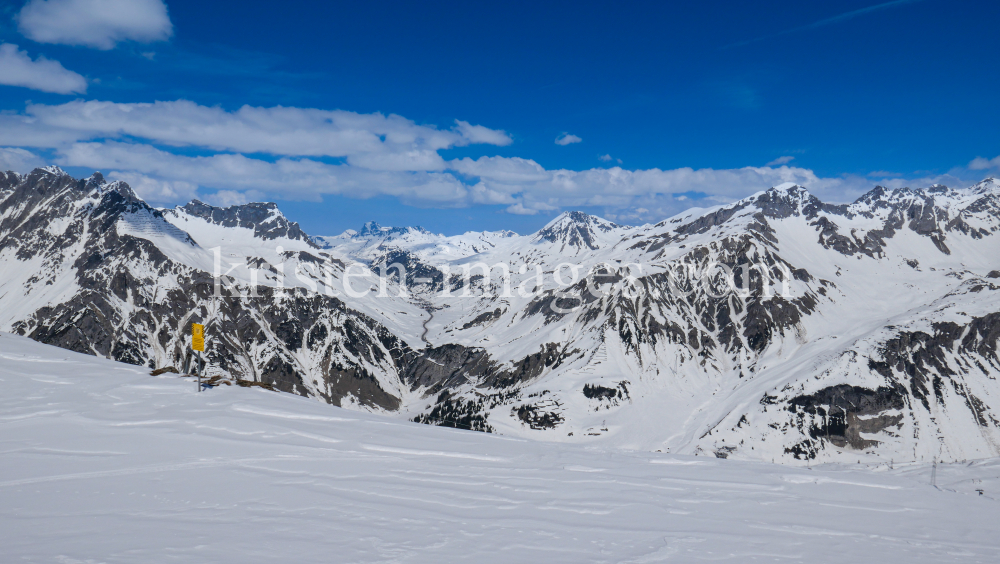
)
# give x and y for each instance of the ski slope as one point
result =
(104, 463)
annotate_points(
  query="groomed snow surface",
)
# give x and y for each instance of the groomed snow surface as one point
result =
(103, 463)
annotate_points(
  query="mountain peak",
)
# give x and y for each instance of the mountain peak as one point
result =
(786, 200)
(95, 182)
(54, 170)
(369, 229)
(790, 190)
(987, 186)
(581, 218)
(264, 218)
(576, 229)
(373, 229)
(9, 178)
(120, 187)
(578, 216)
(46, 172)
(880, 196)
(877, 193)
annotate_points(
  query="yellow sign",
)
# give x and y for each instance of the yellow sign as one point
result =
(198, 337)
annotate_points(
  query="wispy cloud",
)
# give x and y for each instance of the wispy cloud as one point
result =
(825, 22)
(781, 160)
(979, 163)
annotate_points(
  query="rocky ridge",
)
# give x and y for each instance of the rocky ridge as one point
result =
(865, 330)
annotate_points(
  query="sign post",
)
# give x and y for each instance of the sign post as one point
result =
(198, 344)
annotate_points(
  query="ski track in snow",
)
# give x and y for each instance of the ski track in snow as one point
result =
(423, 336)
(124, 467)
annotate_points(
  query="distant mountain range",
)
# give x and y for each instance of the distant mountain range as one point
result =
(778, 327)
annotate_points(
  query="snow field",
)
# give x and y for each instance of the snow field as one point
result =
(104, 463)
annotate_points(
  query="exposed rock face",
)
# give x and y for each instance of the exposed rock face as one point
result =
(451, 366)
(128, 301)
(778, 327)
(836, 415)
(265, 219)
(373, 229)
(397, 263)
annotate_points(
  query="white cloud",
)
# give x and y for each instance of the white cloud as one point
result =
(482, 194)
(27, 131)
(979, 163)
(661, 193)
(519, 209)
(155, 190)
(395, 160)
(522, 185)
(511, 170)
(567, 138)
(480, 134)
(18, 160)
(17, 69)
(302, 179)
(372, 141)
(226, 198)
(605, 158)
(100, 24)
(616, 187)
(383, 155)
(781, 160)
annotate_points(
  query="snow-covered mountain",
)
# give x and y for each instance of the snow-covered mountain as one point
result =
(576, 231)
(265, 219)
(91, 268)
(846, 332)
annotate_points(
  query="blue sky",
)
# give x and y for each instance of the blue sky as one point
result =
(447, 114)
